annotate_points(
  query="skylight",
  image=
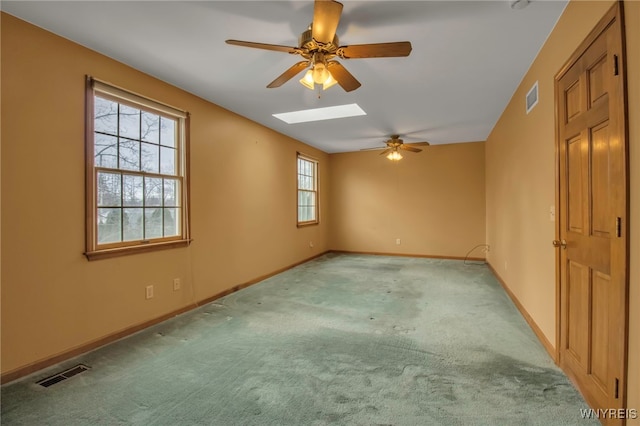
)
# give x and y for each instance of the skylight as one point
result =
(319, 114)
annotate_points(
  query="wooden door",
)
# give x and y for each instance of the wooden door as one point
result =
(592, 180)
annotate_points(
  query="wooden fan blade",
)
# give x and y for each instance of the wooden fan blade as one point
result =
(386, 151)
(264, 46)
(419, 144)
(326, 16)
(289, 74)
(409, 148)
(344, 78)
(373, 149)
(377, 50)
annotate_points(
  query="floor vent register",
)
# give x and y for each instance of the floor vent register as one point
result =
(57, 378)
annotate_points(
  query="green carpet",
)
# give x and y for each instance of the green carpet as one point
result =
(343, 339)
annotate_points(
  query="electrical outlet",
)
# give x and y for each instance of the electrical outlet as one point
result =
(311, 244)
(397, 241)
(552, 213)
(505, 265)
(177, 284)
(149, 292)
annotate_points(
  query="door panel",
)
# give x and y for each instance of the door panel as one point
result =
(577, 312)
(576, 193)
(597, 80)
(600, 170)
(572, 99)
(599, 329)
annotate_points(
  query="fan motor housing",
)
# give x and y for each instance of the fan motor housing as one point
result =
(307, 42)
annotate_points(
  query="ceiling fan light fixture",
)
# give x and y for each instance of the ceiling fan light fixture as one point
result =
(394, 156)
(329, 82)
(307, 80)
(320, 73)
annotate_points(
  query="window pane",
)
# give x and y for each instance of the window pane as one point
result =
(106, 151)
(152, 223)
(132, 224)
(167, 161)
(105, 114)
(129, 122)
(167, 131)
(310, 213)
(152, 191)
(308, 199)
(171, 193)
(109, 190)
(150, 127)
(129, 155)
(305, 182)
(132, 190)
(171, 222)
(150, 158)
(109, 226)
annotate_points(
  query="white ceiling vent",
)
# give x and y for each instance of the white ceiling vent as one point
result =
(532, 97)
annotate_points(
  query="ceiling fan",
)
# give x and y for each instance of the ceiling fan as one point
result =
(394, 145)
(318, 45)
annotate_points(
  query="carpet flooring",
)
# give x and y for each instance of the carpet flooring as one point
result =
(344, 339)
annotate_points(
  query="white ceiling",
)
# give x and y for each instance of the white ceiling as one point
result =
(468, 58)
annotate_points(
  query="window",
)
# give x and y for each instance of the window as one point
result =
(307, 191)
(136, 173)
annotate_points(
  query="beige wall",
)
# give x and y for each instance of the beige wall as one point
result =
(243, 183)
(521, 179)
(432, 201)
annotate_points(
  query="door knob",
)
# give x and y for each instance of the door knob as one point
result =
(561, 243)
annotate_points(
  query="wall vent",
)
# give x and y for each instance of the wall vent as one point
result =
(58, 377)
(532, 97)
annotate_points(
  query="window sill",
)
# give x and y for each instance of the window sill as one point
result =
(305, 224)
(126, 251)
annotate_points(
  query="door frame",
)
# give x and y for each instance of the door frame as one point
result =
(615, 13)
